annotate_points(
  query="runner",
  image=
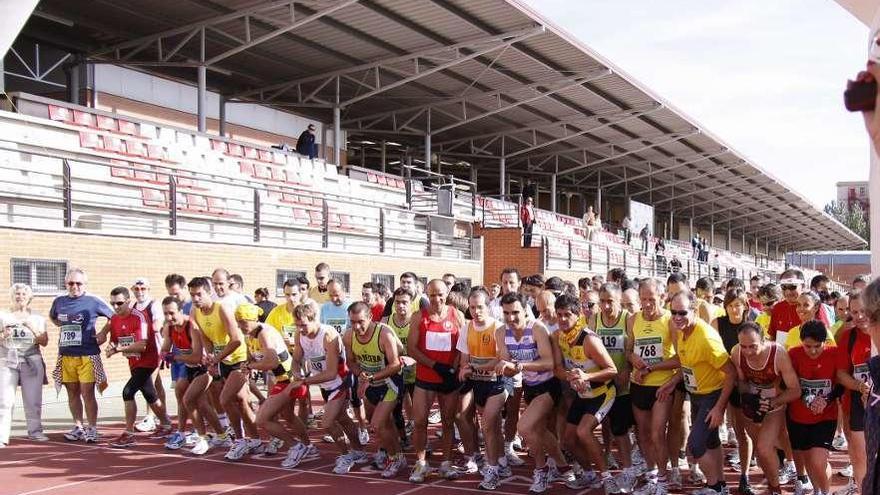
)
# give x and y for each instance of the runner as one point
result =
(762, 368)
(140, 289)
(433, 346)
(709, 377)
(483, 388)
(610, 325)
(808, 308)
(526, 349)
(226, 359)
(784, 314)
(282, 319)
(130, 335)
(222, 283)
(854, 352)
(812, 420)
(650, 351)
(769, 295)
(583, 361)
(399, 322)
(320, 348)
(319, 293)
(185, 346)
(373, 348)
(79, 365)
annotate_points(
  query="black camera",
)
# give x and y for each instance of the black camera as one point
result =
(860, 96)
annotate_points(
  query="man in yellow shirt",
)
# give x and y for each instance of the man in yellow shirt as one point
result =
(708, 376)
(319, 292)
(282, 318)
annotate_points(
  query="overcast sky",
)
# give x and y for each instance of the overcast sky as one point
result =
(767, 77)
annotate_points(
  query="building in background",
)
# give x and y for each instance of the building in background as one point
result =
(853, 192)
(840, 266)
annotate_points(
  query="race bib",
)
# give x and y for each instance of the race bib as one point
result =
(438, 341)
(317, 363)
(817, 388)
(690, 380)
(71, 336)
(862, 373)
(125, 341)
(20, 337)
(478, 374)
(289, 330)
(612, 339)
(650, 349)
(337, 323)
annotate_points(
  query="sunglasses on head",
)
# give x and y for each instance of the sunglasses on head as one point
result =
(675, 312)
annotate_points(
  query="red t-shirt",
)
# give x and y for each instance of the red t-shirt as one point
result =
(377, 312)
(817, 377)
(855, 362)
(437, 341)
(126, 330)
(784, 317)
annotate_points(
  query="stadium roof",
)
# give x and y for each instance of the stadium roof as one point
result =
(485, 78)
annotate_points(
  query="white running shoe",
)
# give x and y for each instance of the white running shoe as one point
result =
(470, 465)
(539, 481)
(221, 441)
(312, 453)
(697, 477)
(38, 437)
(176, 441)
(201, 447)
(75, 434)
(653, 488)
(587, 479)
(295, 455)
(91, 435)
(675, 478)
(238, 450)
(491, 479)
(419, 471)
(327, 439)
(849, 489)
(512, 457)
(146, 425)
(801, 488)
(847, 471)
(611, 461)
(272, 446)
(448, 471)
(610, 486)
(191, 439)
(626, 480)
(839, 443)
(434, 417)
(344, 463)
(394, 466)
(364, 435)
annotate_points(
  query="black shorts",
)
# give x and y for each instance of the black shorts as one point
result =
(441, 388)
(643, 397)
(483, 389)
(808, 436)
(551, 386)
(227, 369)
(856, 412)
(140, 382)
(336, 393)
(735, 399)
(621, 417)
(599, 407)
(194, 372)
(387, 392)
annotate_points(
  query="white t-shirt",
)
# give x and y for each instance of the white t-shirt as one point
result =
(20, 342)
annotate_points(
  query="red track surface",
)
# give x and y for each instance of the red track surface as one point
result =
(65, 468)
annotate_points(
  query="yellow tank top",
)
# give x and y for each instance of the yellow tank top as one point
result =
(213, 328)
(285, 360)
(481, 350)
(652, 343)
(571, 345)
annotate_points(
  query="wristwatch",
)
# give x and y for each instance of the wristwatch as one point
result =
(648, 367)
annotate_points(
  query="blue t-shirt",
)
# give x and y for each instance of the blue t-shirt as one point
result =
(187, 307)
(77, 318)
(336, 316)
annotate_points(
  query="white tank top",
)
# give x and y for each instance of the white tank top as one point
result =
(315, 357)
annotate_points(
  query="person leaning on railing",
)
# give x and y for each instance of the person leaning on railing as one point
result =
(527, 217)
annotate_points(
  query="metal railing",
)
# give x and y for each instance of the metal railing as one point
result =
(461, 193)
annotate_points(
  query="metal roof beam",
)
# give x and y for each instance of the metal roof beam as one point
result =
(607, 158)
(672, 182)
(676, 166)
(700, 191)
(759, 199)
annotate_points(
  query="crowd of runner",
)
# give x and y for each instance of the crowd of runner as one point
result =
(617, 384)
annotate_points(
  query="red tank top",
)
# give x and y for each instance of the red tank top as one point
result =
(181, 337)
(765, 376)
(437, 340)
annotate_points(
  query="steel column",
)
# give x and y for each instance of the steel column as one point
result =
(202, 99)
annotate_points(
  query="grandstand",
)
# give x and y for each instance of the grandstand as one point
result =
(434, 117)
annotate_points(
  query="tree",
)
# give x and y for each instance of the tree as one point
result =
(854, 218)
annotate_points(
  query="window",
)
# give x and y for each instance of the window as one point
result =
(861, 190)
(384, 279)
(344, 278)
(44, 276)
(283, 275)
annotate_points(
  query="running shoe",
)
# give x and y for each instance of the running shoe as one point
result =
(327, 439)
(850, 489)
(653, 488)
(238, 450)
(504, 471)
(636, 456)
(847, 471)
(394, 466)
(146, 425)
(707, 491)
(364, 435)
(839, 442)
(787, 473)
(312, 453)
(491, 479)
(801, 488)
(191, 438)
(91, 435)
(555, 474)
(434, 417)
(470, 465)
(223, 441)
(123, 441)
(610, 486)
(744, 488)
(539, 481)
(272, 446)
(626, 480)
(587, 479)
(75, 434)
(675, 478)
(380, 459)
(697, 477)
(294, 456)
(611, 461)
(722, 434)
(38, 437)
(516, 443)
(419, 471)
(201, 447)
(176, 441)
(162, 432)
(448, 471)
(512, 457)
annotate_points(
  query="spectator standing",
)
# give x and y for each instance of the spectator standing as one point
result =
(627, 233)
(695, 245)
(643, 235)
(305, 145)
(261, 296)
(527, 216)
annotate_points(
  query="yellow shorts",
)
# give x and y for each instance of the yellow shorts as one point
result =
(77, 369)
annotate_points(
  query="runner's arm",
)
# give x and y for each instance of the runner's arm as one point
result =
(558, 363)
(297, 369)
(101, 336)
(792, 389)
(198, 349)
(353, 363)
(331, 350)
(232, 330)
(270, 357)
(729, 382)
(41, 338)
(412, 343)
(545, 352)
(629, 346)
(388, 345)
(166, 339)
(596, 351)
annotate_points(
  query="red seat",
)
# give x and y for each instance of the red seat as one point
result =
(262, 171)
(60, 114)
(266, 156)
(371, 178)
(123, 171)
(154, 198)
(84, 118)
(219, 146)
(333, 220)
(157, 152)
(196, 202)
(399, 183)
(251, 153)
(135, 148)
(217, 205)
(300, 216)
(287, 197)
(90, 140)
(184, 182)
(278, 174)
(382, 180)
(247, 168)
(144, 172)
(126, 127)
(235, 150)
(315, 217)
(114, 144)
(107, 123)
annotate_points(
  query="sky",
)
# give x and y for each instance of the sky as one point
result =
(766, 77)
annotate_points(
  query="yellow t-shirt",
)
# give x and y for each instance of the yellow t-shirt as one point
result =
(793, 339)
(702, 355)
(213, 328)
(652, 343)
(763, 321)
(283, 320)
(318, 296)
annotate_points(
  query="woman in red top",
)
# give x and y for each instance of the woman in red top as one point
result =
(762, 367)
(854, 352)
(432, 343)
(812, 420)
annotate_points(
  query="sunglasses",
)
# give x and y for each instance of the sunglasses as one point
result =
(674, 312)
(71, 284)
(591, 304)
(789, 286)
(117, 304)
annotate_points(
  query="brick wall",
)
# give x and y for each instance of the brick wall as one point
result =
(112, 261)
(843, 273)
(501, 249)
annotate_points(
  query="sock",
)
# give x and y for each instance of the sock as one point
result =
(224, 420)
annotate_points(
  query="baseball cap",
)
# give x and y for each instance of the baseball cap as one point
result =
(141, 281)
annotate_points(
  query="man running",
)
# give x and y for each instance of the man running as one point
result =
(709, 377)
(320, 348)
(373, 349)
(140, 289)
(399, 322)
(433, 346)
(282, 319)
(79, 365)
(130, 335)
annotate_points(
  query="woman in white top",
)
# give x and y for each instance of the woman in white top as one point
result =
(22, 333)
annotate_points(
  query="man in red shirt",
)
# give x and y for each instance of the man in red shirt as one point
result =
(131, 335)
(372, 298)
(783, 316)
(527, 217)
